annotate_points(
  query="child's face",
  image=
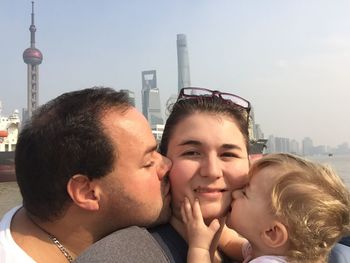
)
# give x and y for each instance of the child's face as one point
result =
(250, 214)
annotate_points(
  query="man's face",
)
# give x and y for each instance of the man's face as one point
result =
(136, 191)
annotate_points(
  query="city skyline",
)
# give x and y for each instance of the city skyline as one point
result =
(290, 59)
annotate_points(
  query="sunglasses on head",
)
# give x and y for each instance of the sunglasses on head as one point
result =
(193, 92)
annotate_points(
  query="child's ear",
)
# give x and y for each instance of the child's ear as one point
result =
(276, 235)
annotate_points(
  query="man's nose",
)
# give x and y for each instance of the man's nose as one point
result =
(164, 166)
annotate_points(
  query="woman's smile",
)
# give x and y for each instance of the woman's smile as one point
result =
(209, 192)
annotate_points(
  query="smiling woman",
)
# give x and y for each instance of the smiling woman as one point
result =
(206, 138)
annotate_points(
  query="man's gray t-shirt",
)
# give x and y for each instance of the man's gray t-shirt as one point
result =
(132, 244)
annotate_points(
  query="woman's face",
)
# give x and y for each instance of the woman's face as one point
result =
(210, 160)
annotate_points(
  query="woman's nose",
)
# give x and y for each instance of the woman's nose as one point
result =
(211, 167)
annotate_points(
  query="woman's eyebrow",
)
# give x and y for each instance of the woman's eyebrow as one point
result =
(231, 146)
(190, 142)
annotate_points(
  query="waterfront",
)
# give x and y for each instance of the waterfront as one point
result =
(10, 196)
(341, 164)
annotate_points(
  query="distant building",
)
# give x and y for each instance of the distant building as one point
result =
(33, 58)
(270, 146)
(343, 148)
(307, 146)
(169, 104)
(255, 131)
(131, 95)
(258, 132)
(183, 64)
(282, 145)
(157, 131)
(151, 108)
(319, 149)
(9, 127)
(294, 147)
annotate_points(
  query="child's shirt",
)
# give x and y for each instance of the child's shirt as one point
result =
(269, 259)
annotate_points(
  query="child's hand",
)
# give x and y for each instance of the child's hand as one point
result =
(199, 235)
(232, 244)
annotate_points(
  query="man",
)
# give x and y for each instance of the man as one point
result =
(86, 165)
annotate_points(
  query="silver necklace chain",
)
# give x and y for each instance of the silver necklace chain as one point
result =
(55, 241)
(60, 247)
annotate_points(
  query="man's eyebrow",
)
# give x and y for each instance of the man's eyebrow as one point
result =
(151, 149)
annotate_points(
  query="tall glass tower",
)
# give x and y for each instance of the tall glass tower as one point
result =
(183, 65)
(150, 98)
(33, 58)
(131, 96)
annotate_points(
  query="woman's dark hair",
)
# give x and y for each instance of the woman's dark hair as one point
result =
(65, 137)
(203, 104)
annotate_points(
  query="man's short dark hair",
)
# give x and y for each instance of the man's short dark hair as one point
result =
(65, 137)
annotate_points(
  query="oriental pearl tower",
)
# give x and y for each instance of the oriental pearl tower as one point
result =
(33, 58)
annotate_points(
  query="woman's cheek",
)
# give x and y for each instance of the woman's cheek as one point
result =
(238, 177)
(177, 181)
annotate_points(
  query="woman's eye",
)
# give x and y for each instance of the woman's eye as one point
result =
(191, 153)
(229, 154)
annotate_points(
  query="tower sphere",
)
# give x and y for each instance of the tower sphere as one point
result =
(32, 56)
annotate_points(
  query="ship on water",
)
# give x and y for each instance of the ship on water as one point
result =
(257, 149)
(9, 127)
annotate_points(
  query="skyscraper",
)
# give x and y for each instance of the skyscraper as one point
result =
(33, 58)
(150, 98)
(183, 65)
(131, 95)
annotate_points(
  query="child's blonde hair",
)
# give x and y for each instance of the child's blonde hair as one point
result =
(313, 203)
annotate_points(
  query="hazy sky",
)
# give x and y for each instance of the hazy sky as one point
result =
(291, 59)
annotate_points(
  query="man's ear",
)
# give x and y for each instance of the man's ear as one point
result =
(276, 236)
(82, 191)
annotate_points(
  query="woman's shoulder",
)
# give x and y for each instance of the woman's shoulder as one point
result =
(172, 243)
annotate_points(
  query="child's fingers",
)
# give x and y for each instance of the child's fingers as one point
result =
(222, 222)
(197, 213)
(187, 210)
(183, 213)
(214, 225)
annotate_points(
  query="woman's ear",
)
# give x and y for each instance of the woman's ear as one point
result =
(82, 191)
(276, 236)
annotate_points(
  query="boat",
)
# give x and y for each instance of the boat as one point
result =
(256, 149)
(9, 127)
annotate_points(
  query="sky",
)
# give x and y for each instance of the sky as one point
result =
(289, 58)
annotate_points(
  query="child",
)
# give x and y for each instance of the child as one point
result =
(292, 210)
